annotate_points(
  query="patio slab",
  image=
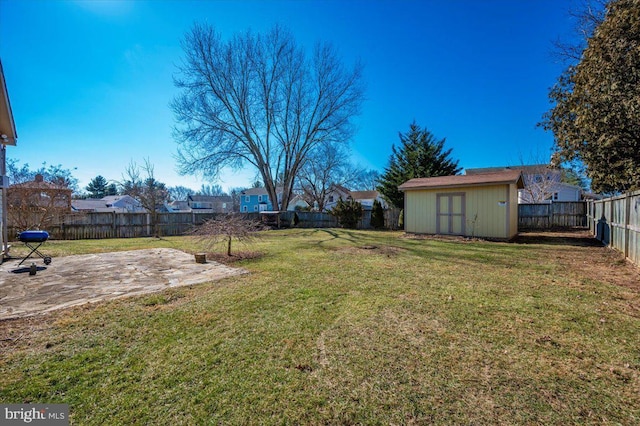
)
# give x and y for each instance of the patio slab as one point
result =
(76, 280)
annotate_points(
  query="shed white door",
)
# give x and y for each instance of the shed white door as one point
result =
(450, 213)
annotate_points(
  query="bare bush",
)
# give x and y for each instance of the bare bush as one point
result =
(226, 228)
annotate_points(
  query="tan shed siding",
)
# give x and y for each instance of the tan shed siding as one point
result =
(486, 210)
(420, 212)
(513, 205)
(491, 216)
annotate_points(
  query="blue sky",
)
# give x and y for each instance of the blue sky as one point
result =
(90, 82)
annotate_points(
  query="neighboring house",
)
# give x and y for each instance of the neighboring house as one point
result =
(366, 198)
(337, 192)
(111, 203)
(35, 204)
(542, 183)
(560, 192)
(8, 136)
(210, 203)
(476, 205)
(178, 207)
(297, 203)
(257, 200)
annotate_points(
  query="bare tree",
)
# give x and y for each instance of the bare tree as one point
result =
(328, 166)
(179, 192)
(365, 180)
(211, 190)
(37, 204)
(236, 194)
(587, 16)
(325, 168)
(540, 182)
(260, 99)
(151, 193)
(226, 228)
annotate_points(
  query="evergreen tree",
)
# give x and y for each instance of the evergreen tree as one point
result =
(99, 187)
(420, 155)
(377, 215)
(348, 213)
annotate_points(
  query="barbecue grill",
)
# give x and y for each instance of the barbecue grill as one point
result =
(33, 240)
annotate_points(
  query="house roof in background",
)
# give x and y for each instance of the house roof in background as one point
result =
(115, 198)
(364, 195)
(88, 204)
(339, 188)
(259, 191)
(40, 183)
(530, 168)
(480, 179)
(211, 198)
(7, 125)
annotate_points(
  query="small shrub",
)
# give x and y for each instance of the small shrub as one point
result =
(377, 215)
(227, 227)
(348, 213)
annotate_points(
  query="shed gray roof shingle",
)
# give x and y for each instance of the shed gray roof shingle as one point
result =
(483, 179)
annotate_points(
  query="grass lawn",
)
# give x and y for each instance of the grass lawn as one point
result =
(348, 327)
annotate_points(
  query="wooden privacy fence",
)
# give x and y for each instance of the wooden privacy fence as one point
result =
(552, 215)
(616, 222)
(97, 225)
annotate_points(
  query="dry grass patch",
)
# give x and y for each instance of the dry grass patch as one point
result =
(351, 327)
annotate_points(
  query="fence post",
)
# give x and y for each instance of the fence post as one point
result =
(627, 233)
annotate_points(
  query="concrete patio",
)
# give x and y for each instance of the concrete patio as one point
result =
(76, 280)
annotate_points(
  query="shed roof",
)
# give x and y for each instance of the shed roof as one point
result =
(481, 179)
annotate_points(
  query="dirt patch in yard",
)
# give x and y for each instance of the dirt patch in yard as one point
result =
(371, 249)
(576, 238)
(586, 256)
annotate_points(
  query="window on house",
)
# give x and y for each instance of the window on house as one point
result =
(244, 208)
(255, 208)
(224, 205)
(331, 198)
(259, 198)
(247, 198)
(555, 196)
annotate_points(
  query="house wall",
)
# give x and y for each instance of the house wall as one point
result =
(490, 211)
(567, 194)
(253, 205)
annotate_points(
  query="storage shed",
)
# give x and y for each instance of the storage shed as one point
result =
(479, 205)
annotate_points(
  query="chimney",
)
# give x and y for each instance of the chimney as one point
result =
(39, 178)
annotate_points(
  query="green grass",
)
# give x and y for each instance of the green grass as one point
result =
(346, 327)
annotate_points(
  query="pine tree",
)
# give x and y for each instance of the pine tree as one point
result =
(99, 187)
(348, 213)
(420, 155)
(377, 215)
